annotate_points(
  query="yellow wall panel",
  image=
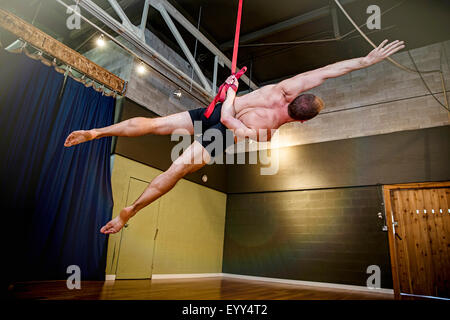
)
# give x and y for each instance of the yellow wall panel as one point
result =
(191, 223)
(191, 228)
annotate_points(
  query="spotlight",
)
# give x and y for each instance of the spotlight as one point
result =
(141, 68)
(178, 94)
(101, 41)
(204, 178)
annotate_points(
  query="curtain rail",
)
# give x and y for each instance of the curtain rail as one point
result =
(61, 52)
(64, 68)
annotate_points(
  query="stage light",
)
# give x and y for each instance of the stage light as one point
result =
(141, 69)
(101, 41)
(178, 94)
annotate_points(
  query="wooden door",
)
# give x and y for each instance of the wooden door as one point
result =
(419, 235)
(137, 242)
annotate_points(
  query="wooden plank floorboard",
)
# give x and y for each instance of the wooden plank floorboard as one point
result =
(184, 289)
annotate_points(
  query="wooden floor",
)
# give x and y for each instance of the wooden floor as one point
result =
(184, 289)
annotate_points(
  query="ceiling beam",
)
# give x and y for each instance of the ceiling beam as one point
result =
(118, 9)
(141, 49)
(184, 47)
(124, 4)
(144, 18)
(198, 35)
(334, 17)
(285, 25)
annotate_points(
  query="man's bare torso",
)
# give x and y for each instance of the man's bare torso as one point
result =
(261, 108)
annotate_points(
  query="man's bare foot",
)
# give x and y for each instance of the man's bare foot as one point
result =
(116, 224)
(78, 137)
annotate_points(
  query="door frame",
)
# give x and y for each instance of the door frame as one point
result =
(390, 223)
(130, 178)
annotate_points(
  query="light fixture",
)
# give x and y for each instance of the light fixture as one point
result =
(101, 41)
(178, 93)
(18, 44)
(141, 68)
(204, 178)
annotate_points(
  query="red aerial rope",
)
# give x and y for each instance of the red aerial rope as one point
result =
(236, 38)
(220, 97)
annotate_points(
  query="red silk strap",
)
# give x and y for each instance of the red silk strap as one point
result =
(222, 93)
(236, 38)
(232, 86)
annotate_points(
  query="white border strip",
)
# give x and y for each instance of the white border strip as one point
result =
(110, 277)
(275, 280)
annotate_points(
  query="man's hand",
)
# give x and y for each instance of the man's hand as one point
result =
(232, 80)
(382, 52)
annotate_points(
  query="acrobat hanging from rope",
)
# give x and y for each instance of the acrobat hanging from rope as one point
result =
(246, 116)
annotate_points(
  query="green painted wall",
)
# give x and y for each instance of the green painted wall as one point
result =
(191, 223)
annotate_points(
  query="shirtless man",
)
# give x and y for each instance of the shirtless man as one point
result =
(266, 108)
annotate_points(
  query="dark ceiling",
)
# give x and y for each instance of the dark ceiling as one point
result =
(418, 22)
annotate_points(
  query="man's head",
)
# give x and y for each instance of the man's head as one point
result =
(305, 107)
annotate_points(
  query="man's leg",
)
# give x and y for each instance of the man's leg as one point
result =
(162, 184)
(135, 127)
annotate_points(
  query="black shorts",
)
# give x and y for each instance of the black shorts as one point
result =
(213, 122)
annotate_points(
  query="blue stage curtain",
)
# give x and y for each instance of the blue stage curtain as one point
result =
(55, 199)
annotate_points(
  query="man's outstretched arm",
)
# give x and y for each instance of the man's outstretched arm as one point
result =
(305, 81)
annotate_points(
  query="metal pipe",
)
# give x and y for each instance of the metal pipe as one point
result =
(118, 9)
(144, 18)
(183, 46)
(334, 18)
(196, 43)
(216, 66)
(394, 62)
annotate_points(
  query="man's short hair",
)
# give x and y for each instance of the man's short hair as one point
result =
(305, 107)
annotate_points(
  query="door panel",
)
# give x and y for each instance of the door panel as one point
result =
(422, 243)
(138, 238)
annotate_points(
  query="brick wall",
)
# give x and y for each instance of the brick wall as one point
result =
(380, 99)
(401, 157)
(376, 100)
(152, 90)
(322, 235)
